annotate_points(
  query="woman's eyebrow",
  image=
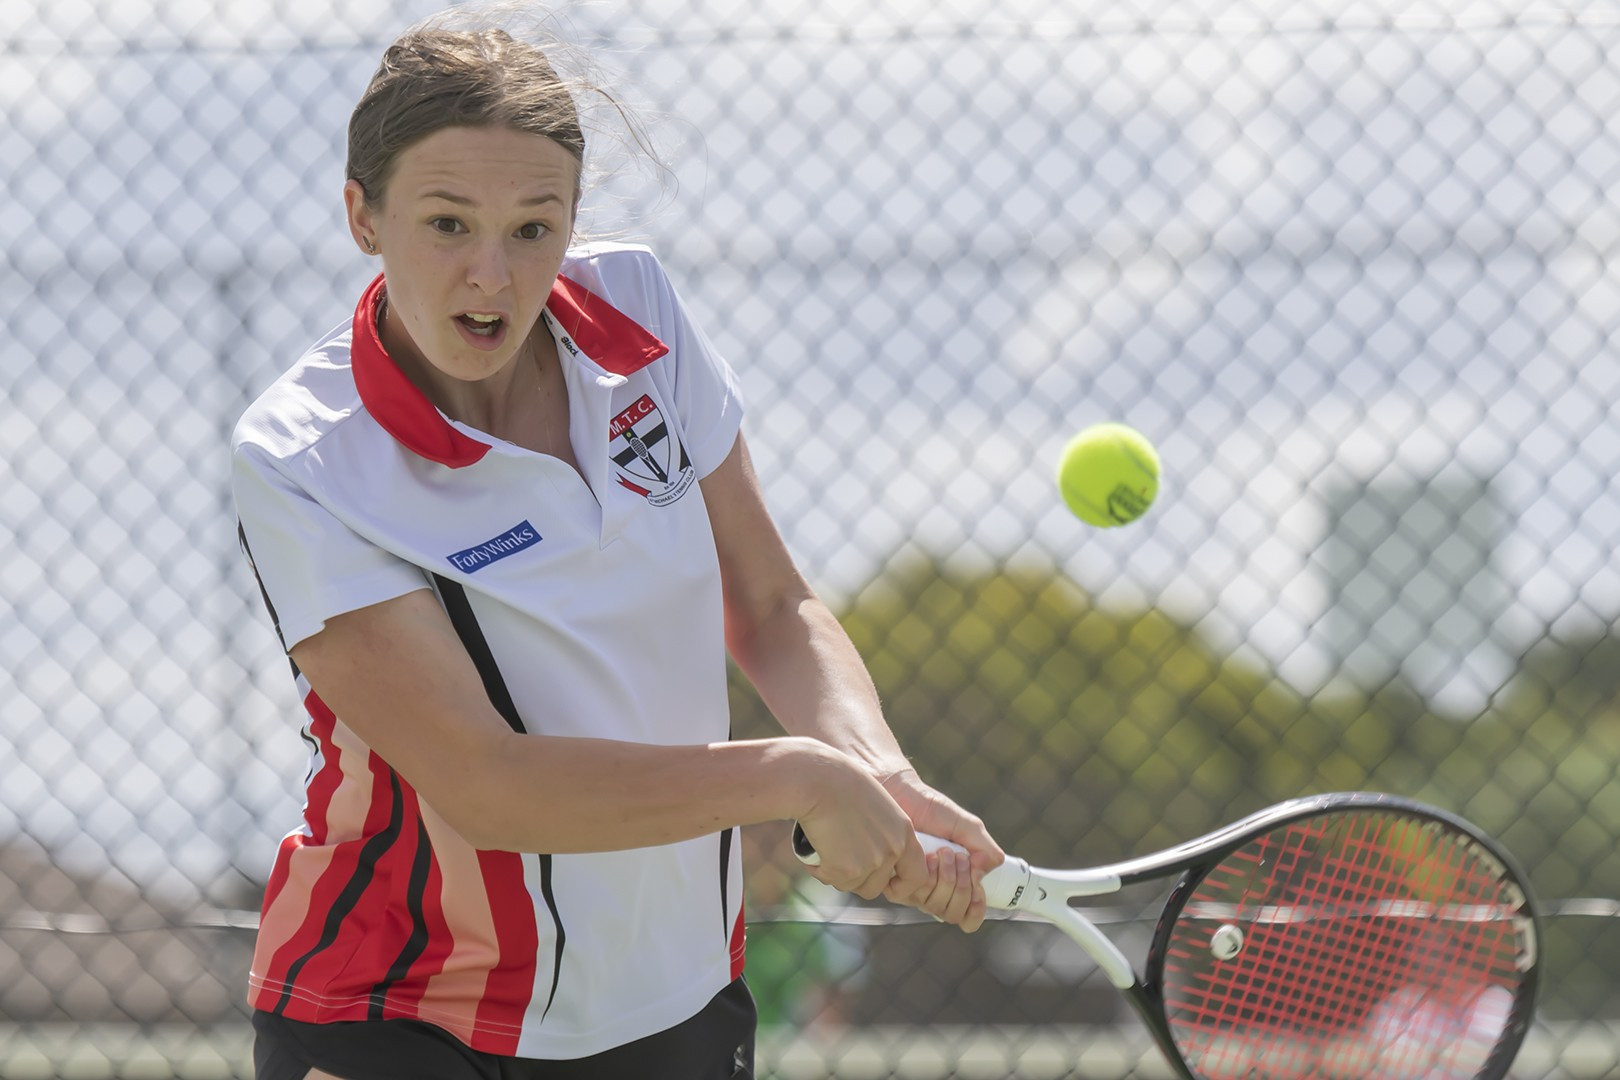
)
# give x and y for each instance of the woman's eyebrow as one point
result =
(462, 200)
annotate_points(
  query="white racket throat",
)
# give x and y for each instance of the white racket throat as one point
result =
(1016, 886)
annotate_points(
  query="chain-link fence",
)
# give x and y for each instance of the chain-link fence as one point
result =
(1349, 265)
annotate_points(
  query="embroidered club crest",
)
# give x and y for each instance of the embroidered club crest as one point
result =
(648, 454)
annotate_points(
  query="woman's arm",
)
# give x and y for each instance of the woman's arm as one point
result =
(396, 674)
(813, 680)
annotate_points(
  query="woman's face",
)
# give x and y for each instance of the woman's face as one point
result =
(472, 231)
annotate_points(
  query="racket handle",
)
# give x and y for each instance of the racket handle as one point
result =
(1004, 886)
(807, 853)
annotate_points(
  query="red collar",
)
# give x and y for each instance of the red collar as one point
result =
(607, 335)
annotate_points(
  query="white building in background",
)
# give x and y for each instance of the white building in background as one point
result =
(1414, 587)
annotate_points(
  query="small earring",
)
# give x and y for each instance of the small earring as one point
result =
(370, 247)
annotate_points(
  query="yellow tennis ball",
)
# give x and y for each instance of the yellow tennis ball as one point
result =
(1108, 475)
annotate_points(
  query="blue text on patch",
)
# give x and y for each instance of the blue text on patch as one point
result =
(510, 542)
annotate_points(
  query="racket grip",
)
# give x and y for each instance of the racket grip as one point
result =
(1003, 886)
(807, 853)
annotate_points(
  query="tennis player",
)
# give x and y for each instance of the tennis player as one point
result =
(507, 527)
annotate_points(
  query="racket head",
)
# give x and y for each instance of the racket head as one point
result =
(1367, 936)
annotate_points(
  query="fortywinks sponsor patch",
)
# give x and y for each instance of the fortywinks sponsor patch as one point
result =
(510, 542)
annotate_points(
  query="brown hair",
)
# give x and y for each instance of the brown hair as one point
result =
(436, 77)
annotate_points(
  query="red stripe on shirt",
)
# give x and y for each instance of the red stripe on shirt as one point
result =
(372, 931)
(330, 975)
(739, 949)
(325, 783)
(511, 979)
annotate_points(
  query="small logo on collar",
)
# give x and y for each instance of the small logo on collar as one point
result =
(510, 542)
(649, 455)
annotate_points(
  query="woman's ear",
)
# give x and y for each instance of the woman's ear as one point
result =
(362, 222)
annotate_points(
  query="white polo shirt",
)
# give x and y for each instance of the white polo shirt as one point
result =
(590, 602)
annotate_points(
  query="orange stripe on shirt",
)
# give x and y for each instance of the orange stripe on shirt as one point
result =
(466, 950)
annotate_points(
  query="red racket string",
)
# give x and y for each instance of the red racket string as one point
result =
(1362, 936)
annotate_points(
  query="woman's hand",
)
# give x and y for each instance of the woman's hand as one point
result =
(953, 892)
(865, 839)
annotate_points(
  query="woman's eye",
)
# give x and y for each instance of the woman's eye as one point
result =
(446, 225)
(532, 231)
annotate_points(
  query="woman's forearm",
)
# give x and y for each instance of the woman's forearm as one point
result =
(809, 674)
(562, 795)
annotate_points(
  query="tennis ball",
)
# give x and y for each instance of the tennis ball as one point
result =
(1226, 942)
(1108, 475)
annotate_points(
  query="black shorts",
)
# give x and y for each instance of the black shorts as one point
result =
(716, 1044)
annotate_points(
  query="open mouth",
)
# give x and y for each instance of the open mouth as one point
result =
(486, 326)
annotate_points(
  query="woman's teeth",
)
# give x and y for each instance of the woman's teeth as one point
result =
(484, 325)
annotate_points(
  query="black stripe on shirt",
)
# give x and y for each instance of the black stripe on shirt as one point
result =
(417, 943)
(562, 936)
(365, 869)
(241, 538)
(459, 608)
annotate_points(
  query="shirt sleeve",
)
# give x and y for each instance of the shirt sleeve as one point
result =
(309, 564)
(705, 391)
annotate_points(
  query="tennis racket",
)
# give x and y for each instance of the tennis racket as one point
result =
(1333, 936)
